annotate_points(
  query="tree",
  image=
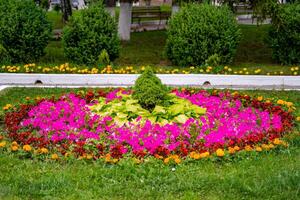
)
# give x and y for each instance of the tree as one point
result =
(66, 9)
(124, 25)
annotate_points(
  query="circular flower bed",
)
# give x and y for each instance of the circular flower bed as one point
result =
(111, 125)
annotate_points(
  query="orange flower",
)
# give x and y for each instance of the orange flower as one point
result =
(231, 150)
(236, 148)
(258, 149)
(14, 143)
(280, 102)
(220, 152)
(2, 144)
(277, 141)
(204, 155)
(14, 148)
(177, 160)
(43, 150)
(54, 156)
(197, 156)
(89, 156)
(265, 146)
(248, 148)
(27, 148)
(260, 98)
(166, 160)
(1, 137)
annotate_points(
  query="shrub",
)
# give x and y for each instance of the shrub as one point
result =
(197, 32)
(90, 32)
(149, 90)
(284, 35)
(24, 30)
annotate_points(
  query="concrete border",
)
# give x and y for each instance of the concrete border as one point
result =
(126, 80)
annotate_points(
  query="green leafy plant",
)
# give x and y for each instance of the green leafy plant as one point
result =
(103, 58)
(197, 32)
(24, 30)
(213, 60)
(284, 35)
(90, 32)
(128, 109)
(149, 90)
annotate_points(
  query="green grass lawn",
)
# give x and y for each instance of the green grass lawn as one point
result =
(269, 175)
(147, 48)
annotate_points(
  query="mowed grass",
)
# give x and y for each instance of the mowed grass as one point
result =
(148, 48)
(268, 175)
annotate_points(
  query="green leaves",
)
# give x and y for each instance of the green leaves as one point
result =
(127, 110)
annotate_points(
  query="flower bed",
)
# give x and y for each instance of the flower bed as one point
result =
(110, 126)
(75, 69)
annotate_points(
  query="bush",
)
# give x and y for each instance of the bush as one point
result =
(197, 32)
(24, 30)
(90, 32)
(284, 35)
(149, 90)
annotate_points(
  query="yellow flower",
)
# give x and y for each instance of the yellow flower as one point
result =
(14, 143)
(271, 146)
(205, 154)
(265, 146)
(54, 156)
(7, 107)
(298, 119)
(89, 156)
(280, 102)
(197, 156)
(289, 104)
(2, 144)
(177, 160)
(258, 149)
(231, 150)
(43, 150)
(14, 148)
(236, 148)
(220, 152)
(260, 98)
(27, 148)
(277, 141)
(248, 148)
(166, 160)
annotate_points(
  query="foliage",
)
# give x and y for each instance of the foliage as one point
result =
(213, 60)
(90, 32)
(103, 58)
(284, 36)
(197, 32)
(149, 90)
(125, 109)
(24, 30)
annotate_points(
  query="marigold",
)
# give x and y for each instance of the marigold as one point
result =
(166, 160)
(277, 141)
(271, 146)
(197, 156)
(298, 119)
(280, 102)
(14, 148)
(27, 148)
(231, 150)
(248, 148)
(260, 98)
(89, 156)
(54, 156)
(43, 150)
(236, 148)
(258, 149)
(177, 160)
(204, 155)
(265, 146)
(220, 152)
(14, 143)
(2, 144)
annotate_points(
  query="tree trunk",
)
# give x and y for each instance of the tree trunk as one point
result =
(110, 7)
(66, 9)
(125, 20)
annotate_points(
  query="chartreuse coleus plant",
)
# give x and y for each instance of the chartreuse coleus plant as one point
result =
(127, 109)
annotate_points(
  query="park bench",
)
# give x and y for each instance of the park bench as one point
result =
(148, 13)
